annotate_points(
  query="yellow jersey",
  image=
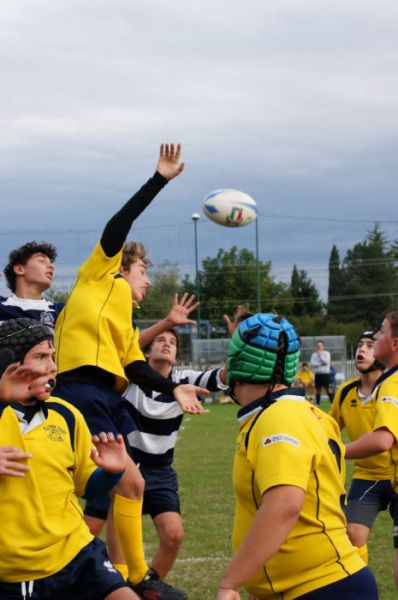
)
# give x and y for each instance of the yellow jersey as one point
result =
(95, 326)
(42, 523)
(294, 443)
(386, 395)
(357, 413)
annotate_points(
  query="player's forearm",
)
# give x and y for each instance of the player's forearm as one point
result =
(118, 227)
(276, 517)
(370, 444)
(140, 373)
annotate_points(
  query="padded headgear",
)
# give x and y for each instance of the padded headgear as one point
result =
(376, 365)
(18, 336)
(265, 348)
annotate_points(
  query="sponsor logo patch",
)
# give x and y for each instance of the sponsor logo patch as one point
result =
(281, 437)
(390, 399)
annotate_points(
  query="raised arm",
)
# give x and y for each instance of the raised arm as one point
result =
(118, 227)
(178, 315)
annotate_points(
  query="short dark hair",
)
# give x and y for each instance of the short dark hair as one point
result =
(21, 255)
(171, 330)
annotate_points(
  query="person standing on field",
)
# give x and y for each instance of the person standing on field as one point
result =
(320, 364)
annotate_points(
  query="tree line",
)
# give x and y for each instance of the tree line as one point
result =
(363, 287)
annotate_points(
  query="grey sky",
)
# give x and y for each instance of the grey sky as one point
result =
(292, 102)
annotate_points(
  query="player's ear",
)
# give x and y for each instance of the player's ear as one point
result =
(18, 269)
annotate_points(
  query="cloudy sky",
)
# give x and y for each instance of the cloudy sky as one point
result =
(293, 102)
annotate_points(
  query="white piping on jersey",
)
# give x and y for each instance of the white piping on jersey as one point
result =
(29, 592)
(369, 489)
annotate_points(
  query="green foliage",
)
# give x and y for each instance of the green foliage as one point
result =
(230, 279)
(57, 294)
(305, 296)
(165, 283)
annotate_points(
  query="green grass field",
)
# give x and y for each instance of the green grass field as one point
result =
(204, 461)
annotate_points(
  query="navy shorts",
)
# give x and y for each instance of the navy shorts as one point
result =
(367, 498)
(89, 576)
(360, 586)
(102, 407)
(161, 490)
(322, 380)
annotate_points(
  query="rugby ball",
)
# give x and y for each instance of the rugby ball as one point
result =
(230, 208)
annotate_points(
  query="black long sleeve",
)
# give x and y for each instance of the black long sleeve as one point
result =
(118, 227)
(142, 374)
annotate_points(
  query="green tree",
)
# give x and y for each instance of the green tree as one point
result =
(336, 285)
(305, 296)
(368, 281)
(229, 279)
(165, 283)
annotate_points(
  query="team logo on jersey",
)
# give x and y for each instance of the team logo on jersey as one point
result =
(55, 433)
(109, 566)
(281, 437)
(353, 402)
(390, 399)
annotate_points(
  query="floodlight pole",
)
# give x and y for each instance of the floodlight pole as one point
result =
(258, 282)
(195, 218)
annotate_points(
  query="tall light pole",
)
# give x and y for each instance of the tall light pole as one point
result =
(195, 218)
(258, 280)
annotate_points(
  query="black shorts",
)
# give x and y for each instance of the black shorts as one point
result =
(89, 576)
(367, 498)
(322, 380)
(161, 490)
(102, 407)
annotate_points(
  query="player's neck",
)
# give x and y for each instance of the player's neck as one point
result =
(248, 392)
(30, 291)
(367, 382)
(163, 367)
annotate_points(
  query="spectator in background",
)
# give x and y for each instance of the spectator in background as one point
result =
(29, 273)
(305, 379)
(320, 363)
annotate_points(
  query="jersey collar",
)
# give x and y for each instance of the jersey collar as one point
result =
(385, 375)
(257, 405)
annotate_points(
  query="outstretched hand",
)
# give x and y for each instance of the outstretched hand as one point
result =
(186, 396)
(181, 309)
(241, 311)
(19, 383)
(109, 453)
(169, 161)
(9, 461)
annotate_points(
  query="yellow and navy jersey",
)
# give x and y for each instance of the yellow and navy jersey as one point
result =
(356, 412)
(95, 326)
(386, 396)
(42, 523)
(305, 377)
(294, 443)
